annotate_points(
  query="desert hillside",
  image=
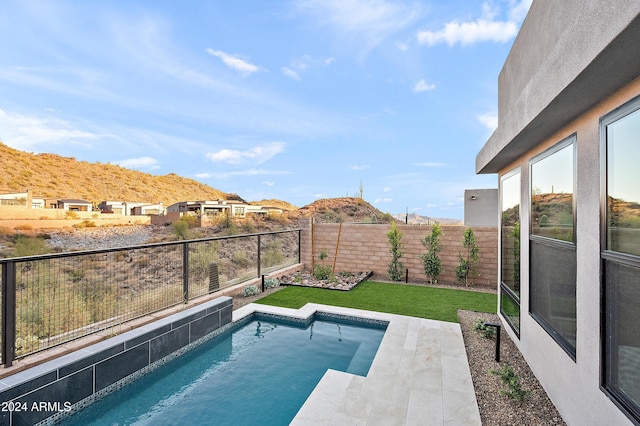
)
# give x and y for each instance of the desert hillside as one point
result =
(53, 176)
(344, 209)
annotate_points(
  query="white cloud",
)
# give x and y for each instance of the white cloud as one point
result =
(268, 183)
(489, 120)
(430, 164)
(359, 167)
(139, 163)
(519, 10)
(422, 86)
(362, 24)
(234, 62)
(26, 132)
(257, 154)
(402, 46)
(467, 33)
(250, 172)
(290, 73)
(486, 28)
(386, 189)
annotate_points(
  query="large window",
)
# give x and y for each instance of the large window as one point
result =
(621, 256)
(510, 249)
(552, 243)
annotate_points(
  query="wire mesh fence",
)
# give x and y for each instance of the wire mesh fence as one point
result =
(52, 299)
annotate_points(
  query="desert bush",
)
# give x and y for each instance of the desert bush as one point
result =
(272, 255)
(29, 246)
(181, 228)
(85, 224)
(512, 380)
(24, 227)
(480, 327)
(240, 258)
(271, 282)
(70, 214)
(250, 290)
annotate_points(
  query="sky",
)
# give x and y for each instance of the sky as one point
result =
(289, 99)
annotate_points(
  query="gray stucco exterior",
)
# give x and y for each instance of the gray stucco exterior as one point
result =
(573, 62)
(481, 207)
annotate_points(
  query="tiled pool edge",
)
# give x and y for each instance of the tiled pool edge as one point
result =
(420, 375)
(87, 374)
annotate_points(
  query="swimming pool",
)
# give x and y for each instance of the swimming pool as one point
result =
(257, 373)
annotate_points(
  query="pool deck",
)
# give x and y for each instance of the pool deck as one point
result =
(420, 376)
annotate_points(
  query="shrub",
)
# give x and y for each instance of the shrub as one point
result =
(29, 246)
(480, 327)
(431, 261)
(24, 227)
(272, 255)
(468, 260)
(181, 228)
(271, 282)
(85, 224)
(396, 268)
(240, 258)
(512, 380)
(322, 272)
(70, 214)
(250, 290)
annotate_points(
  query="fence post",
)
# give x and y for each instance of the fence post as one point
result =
(185, 272)
(299, 245)
(8, 312)
(259, 258)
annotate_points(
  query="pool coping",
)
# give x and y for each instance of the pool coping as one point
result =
(420, 374)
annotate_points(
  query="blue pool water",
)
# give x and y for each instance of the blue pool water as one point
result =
(259, 373)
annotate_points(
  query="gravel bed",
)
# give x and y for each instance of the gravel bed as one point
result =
(497, 409)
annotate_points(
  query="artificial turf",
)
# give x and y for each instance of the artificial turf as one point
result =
(417, 301)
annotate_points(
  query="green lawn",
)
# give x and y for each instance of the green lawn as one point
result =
(424, 302)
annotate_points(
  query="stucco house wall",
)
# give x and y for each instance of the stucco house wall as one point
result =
(573, 62)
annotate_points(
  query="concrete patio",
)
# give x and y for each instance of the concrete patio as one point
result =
(420, 376)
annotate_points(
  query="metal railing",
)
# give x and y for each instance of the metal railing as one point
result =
(51, 299)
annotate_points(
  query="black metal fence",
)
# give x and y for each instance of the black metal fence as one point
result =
(52, 299)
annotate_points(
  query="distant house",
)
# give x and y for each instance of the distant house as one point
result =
(212, 208)
(16, 199)
(130, 208)
(75, 205)
(148, 209)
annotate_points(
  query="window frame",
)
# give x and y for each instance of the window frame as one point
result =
(505, 290)
(630, 408)
(571, 140)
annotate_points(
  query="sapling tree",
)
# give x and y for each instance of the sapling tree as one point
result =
(468, 259)
(431, 260)
(396, 267)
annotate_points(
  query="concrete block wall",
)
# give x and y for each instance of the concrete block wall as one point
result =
(365, 247)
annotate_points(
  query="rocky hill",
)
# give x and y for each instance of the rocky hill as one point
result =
(345, 209)
(53, 176)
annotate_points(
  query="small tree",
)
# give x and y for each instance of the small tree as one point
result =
(468, 260)
(396, 267)
(431, 261)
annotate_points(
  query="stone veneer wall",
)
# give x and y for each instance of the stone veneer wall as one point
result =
(365, 247)
(82, 375)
